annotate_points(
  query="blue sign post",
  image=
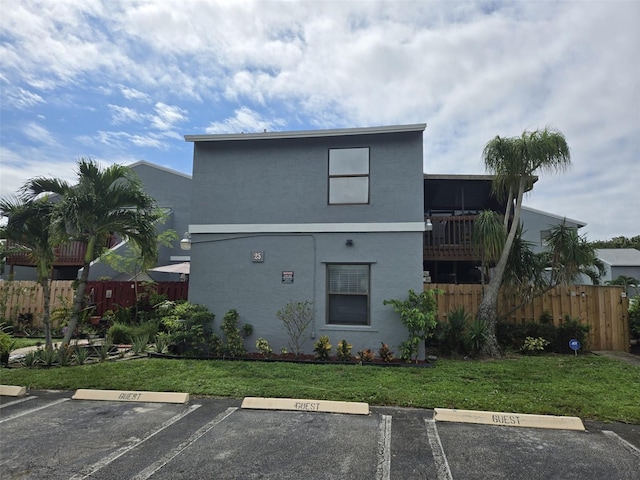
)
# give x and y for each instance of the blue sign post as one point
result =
(574, 345)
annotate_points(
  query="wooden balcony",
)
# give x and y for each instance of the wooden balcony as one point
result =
(70, 255)
(450, 239)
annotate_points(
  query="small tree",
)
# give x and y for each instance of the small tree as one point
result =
(418, 313)
(296, 318)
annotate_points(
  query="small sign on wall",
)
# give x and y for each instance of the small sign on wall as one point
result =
(257, 256)
(287, 277)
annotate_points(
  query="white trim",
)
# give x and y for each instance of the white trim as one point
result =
(337, 132)
(308, 227)
(180, 258)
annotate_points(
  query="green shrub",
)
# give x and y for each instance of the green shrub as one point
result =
(80, 355)
(343, 351)
(189, 325)
(533, 345)
(546, 318)
(233, 346)
(263, 347)
(123, 333)
(322, 348)
(367, 355)
(418, 314)
(139, 344)
(216, 345)
(385, 352)
(571, 328)
(161, 343)
(634, 317)
(451, 334)
(476, 336)
(120, 332)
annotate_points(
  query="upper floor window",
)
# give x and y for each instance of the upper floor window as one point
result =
(349, 176)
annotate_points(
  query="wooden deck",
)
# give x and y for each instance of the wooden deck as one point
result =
(450, 239)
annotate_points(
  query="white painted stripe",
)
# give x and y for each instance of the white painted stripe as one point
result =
(24, 399)
(307, 227)
(383, 471)
(439, 458)
(154, 467)
(90, 470)
(628, 445)
(27, 412)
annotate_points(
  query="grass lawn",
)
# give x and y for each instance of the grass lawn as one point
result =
(587, 386)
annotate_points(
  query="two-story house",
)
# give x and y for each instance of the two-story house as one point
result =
(333, 217)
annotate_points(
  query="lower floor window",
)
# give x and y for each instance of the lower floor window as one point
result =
(348, 294)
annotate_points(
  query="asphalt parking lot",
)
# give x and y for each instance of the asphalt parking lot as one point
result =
(47, 435)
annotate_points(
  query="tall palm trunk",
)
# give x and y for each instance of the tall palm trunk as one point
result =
(78, 299)
(488, 310)
(46, 293)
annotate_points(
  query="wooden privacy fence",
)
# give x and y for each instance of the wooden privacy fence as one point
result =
(604, 308)
(25, 297)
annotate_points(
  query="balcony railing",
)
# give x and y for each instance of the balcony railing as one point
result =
(68, 255)
(450, 238)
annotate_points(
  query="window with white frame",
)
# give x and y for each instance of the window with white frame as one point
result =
(348, 176)
(348, 294)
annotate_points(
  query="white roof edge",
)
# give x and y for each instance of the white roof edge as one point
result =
(335, 132)
(159, 167)
(559, 217)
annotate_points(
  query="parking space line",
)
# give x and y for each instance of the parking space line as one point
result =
(440, 459)
(24, 399)
(383, 471)
(628, 445)
(27, 412)
(154, 467)
(87, 472)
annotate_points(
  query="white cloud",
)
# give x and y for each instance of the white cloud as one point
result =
(38, 134)
(245, 120)
(21, 98)
(167, 116)
(124, 114)
(470, 70)
(133, 94)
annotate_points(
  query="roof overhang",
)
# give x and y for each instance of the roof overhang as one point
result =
(338, 132)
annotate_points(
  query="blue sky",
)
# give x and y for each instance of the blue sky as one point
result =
(122, 81)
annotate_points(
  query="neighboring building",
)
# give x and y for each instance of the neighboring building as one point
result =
(172, 192)
(334, 217)
(619, 262)
(538, 224)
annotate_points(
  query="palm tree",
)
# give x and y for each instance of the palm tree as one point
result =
(514, 162)
(571, 255)
(489, 236)
(524, 275)
(103, 202)
(28, 226)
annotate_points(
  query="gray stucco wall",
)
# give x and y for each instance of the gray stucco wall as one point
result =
(285, 181)
(535, 222)
(278, 181)
(228, 279)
